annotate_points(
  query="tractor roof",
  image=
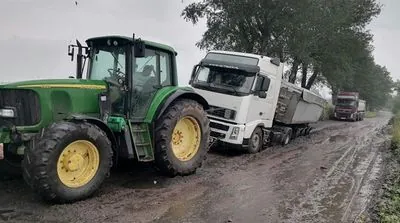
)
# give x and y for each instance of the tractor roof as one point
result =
(149, 43)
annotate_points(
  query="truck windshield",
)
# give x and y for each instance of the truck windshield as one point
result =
(346, 102)
(106, 62)
(224, 80)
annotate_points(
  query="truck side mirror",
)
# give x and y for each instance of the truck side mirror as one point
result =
(193, 73)
(262, 83)
(262, 94)
(266, 83)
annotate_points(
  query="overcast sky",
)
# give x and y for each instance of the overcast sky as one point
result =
(35, 33)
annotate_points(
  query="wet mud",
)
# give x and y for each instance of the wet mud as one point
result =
(328, 176)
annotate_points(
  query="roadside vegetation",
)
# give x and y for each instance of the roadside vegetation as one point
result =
(370, 114)
(389, 205)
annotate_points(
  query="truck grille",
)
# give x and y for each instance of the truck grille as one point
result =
(219, 126)
(26, 104)
(222, 112)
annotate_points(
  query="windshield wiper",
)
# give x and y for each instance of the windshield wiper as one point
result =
(232, 88)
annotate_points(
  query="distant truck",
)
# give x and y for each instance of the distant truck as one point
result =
(250, 105)
(349, 106)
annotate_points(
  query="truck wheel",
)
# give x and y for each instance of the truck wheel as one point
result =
(287, 136)
(182, 134)
(308, 130)
(256, 141)
(68, 162)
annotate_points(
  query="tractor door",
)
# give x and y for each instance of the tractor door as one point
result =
(150, 74)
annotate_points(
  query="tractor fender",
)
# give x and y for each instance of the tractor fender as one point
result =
(180, 94)
(99, 123)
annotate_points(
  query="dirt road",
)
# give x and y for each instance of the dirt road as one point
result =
(328, 176)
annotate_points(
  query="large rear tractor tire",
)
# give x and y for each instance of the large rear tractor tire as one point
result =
(181, 136)
(68, 162)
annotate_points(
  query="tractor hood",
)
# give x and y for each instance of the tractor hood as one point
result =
(58, 83)
(38, 103)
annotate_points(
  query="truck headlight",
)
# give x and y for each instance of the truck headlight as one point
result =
(7, 113)
(227, 114)
(235, 133)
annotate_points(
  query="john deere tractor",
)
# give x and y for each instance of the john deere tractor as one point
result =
(65, 135)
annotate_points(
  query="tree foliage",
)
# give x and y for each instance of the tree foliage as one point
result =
(321, 40)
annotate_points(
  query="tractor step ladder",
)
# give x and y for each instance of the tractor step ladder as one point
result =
(142, 141)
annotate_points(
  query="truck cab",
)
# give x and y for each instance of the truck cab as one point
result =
(349, 106)
(242, 90)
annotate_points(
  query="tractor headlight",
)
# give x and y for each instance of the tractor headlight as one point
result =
(7, 113)
(235, 133)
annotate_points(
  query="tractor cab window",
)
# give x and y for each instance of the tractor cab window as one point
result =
(107, 62)
(150, 73)
(146, 69)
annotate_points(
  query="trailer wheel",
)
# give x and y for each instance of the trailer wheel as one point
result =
(68, 162)
(256, 141)
(308, 130)
(182, 134)
(287, 136)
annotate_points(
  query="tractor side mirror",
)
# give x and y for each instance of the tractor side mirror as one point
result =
(139, 48)
(71, 52)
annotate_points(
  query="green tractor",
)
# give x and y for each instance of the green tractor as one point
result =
(65, 135)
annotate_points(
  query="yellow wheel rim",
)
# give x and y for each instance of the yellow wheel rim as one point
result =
(78, 163)
(186, 138)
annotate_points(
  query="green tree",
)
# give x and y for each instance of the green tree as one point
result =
(325, 41)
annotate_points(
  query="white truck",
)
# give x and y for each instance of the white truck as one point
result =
(251, 106)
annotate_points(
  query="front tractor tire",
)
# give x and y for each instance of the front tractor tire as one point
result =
(182, 134)
(68, 162)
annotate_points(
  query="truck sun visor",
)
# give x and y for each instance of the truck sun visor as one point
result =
(244, 67)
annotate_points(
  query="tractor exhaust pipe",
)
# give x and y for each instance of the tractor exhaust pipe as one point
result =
(79, 58)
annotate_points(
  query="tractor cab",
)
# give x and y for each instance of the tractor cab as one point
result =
(134, 71)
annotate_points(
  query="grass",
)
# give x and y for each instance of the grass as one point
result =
(327, 112)
(389, 207)
(370, 114)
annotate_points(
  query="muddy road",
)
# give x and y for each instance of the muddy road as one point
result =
(329, 176)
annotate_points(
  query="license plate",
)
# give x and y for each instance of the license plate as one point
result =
(1, 151)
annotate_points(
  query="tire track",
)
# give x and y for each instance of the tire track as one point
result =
(333, 196)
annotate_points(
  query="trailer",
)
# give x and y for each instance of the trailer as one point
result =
(251, 106)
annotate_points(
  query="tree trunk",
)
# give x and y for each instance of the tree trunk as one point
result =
(312, 79)
(293, 71)
(304, 75)
(334, 95)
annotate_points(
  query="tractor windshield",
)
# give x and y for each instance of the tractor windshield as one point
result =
(107, 62)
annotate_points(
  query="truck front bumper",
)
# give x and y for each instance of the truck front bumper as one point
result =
(344, 116)
(233, 134)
